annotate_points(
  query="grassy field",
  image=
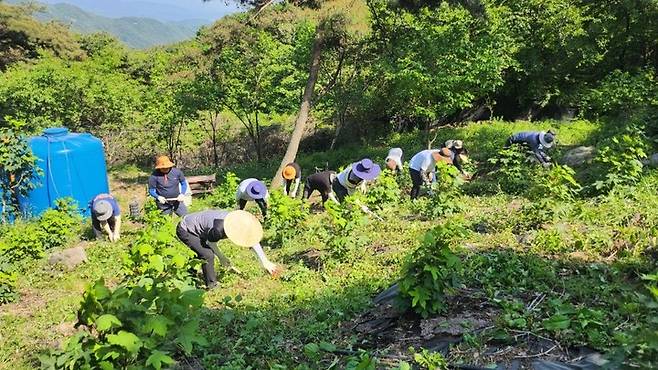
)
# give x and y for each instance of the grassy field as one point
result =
(539, 280)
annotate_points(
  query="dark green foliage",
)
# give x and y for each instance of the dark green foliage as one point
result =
(430, 273)
(385, 191)
(345, 239)
(8, 279)
(619, 160)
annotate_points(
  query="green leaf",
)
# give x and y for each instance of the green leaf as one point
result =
(127, 340)
(557, 322)
(106, 322)
(312, 351)
(327, 347)
(157, 358)
(157, 325)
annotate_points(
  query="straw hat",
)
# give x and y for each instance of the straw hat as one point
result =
(102, 210)
(289, 172)
(163, 162)
(243, 228)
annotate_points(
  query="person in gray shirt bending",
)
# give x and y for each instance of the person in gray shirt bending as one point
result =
(202, 230)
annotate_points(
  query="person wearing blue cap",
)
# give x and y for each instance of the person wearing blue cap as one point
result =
(538, 142)
(252, 190)
(105, 216)
(353, 177)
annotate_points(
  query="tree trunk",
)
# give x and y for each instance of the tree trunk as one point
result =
(300, 123)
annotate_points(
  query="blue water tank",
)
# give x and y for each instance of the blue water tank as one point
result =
(73, 166)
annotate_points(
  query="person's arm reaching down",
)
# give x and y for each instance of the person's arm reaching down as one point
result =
(117, 227)
(262, 258)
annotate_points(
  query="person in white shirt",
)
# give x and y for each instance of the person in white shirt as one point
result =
(252, 190)
(422, 167)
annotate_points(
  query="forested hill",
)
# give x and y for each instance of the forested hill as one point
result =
(136, 32)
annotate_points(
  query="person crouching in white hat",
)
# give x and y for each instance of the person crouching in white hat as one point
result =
(538, 142)
(394, 160)
(105, 216)
(202, 230)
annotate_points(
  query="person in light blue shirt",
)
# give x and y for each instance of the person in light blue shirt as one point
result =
(537, 141)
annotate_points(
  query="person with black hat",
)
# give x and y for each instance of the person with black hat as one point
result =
(459, 154)
(422, 167)
(202, 230)
(292, 175)
(105, 216)
(537, 142)
(252, 190)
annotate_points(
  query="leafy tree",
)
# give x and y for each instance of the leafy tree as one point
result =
(22, 37)
(17, 171)
(434, 62)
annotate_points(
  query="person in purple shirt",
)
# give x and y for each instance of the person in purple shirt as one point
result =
(105, 216)
(167, 185)
(537, 142)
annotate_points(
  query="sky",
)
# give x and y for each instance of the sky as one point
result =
(163, 10)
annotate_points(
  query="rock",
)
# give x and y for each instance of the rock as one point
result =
(579, 156)
(70, 258)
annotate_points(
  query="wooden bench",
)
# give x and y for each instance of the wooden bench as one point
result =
(201, 184)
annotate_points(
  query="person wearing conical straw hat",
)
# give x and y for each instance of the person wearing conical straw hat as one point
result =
(105, 216)
(252, 190)
(422, 167)
(394, 160)
(537, 141)
(167, 185)
(202, 230)
(292, 175)
(459, 154)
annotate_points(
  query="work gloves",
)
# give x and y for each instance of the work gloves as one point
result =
(180, 197)
(161, 199)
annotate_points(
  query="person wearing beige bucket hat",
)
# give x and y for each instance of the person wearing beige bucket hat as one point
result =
(202, 230)
(167, 185)
(459, 154)
(422, 167)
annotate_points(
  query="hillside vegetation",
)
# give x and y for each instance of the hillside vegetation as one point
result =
(514, 265)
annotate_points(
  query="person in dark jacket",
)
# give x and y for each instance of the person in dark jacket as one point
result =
(292, 175)
(252, 190)
(459, 154)
(167, 185)
(202, 230)
(537, 142)
(320, 182)
(105, 216)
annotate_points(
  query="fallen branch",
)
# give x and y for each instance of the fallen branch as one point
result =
(539, 354)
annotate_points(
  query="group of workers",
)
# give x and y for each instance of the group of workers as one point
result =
(201, 231)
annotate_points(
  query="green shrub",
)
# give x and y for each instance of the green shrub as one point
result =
(384, 191)
(285, 217)
(549, 242)
(511, 170)
(443, 199)
(8, 279)
(346, 220)
(534, 215)
(619, 160)
(147, 319)
(224, 195)
(430, 273)
(557, 182)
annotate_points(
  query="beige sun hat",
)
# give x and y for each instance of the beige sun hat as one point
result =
(243, 228)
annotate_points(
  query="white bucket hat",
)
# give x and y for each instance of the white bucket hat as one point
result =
(546, 139)
(395, 155)
(243, 228)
